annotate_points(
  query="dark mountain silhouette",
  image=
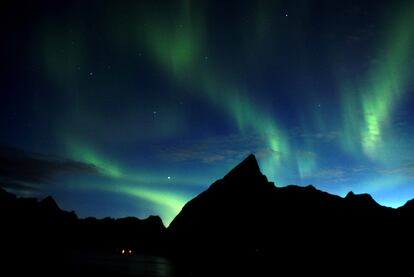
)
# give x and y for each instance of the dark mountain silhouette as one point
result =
(45, 238)
(242, 224)
(407, 208)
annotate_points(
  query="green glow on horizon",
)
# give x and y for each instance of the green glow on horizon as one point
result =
(134, 183)
(170, 203)
(167, 204)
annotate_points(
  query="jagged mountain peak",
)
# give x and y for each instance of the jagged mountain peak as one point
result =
(249, 167)
(361, 199)
(49, 203)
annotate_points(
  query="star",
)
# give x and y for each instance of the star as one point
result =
(90, 73)
(169, 177)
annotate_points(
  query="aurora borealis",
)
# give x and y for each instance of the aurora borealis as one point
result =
(160, 98)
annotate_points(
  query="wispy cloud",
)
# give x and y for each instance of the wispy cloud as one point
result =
(26, 171)
(226, 148)
(337, 174)
(406, 170)
(307, 154)
(330, 173)
(347, 173)
(321, 136)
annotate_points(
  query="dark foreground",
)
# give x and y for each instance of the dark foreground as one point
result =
(241, 225)
(90, 264)
(98, 264)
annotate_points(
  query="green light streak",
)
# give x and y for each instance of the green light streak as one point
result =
(176, 49)
(388, 84)
(134, 183)
(171, 203)
(167, 203)
(306, 165)
(110, 168)
(179, 49)
(176, 45)
(246, 113)
(81, 152)
(380, 92)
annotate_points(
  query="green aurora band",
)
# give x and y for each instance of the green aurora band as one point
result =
(179, 45)
(179, 51)
(137, 184)
(378, 94)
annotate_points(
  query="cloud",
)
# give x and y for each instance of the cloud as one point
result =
(404, 169)
(22, 170)
(225, 148)
(321, 136)
(307, 154)
(330, 173)
(341, 173)
(21, 189)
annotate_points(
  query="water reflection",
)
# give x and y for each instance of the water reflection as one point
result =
(151, 266)
(114, 265)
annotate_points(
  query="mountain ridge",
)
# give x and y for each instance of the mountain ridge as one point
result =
(241, 223)
(245, 219)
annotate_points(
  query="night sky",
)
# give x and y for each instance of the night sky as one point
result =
(131, 108)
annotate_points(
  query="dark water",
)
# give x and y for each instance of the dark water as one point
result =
(118, 265)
